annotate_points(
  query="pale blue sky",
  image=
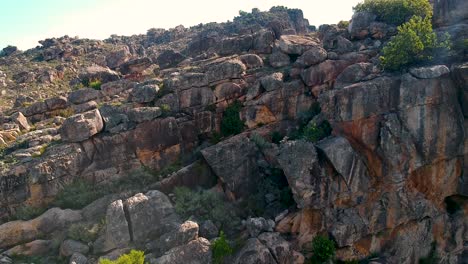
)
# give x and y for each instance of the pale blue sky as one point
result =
(24, 22)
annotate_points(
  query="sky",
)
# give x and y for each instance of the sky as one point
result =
(24, 22)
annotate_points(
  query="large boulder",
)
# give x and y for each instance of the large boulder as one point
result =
(230, 69)
(197, 251)
(430, 72)
(186, 232)
(83, 95)
(142, 114)
(80, 127)
(144, 94)
(295, 44)
(20, 120)
(359, 26)
(169, 59)
(118, 57)
(34, 248)
(95, 72)
(135, 66)
(117, 234)
(324, 72)
(231, 160)
(254, 252)
(69, 247)
(312, 56)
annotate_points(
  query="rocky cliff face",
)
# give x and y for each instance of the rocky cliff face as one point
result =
(383, 172)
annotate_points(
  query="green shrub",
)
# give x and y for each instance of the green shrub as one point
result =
(95, 84)
(27, 212)
(276, 137)
(134, 257)
(221, 249)
(259, 141)
(85, 232)
(205, 205)
(77, 195)
(323, 249)
(395, 12)
(415, 42)
(231, 124)
(314, 133)
(343, 24)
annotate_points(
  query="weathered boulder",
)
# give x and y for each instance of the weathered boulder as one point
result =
(429, 72)
(254, 252)
(195, 252)
(69, 247)
(142, 114)
(257, 225)
(95, 72)
(81, 126)
(278, 59)
(118, 57)
(84, 107)
(230, 69)
(144, 94)
(169, 59)
(226, 91)
(117, 87)
(20, 120)
(196, 97)
(280, 248)
(208, 230)
(251, 61)
(34, 248)
(83, 95)
(151, 215)
(135, 66)
(296, 45)
(231, 160)
(359, 26)
(186, 232)
(78, 258)
(312, 56)
(234, 45)
(272, 82)
(324, 72)
(35, 109)
(263, 41)
(58, 102)
(185, 81)
(355, 73)
(16, 232)
(117, 234)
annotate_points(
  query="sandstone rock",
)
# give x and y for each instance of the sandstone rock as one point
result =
(118, 57)
(208, 230)
(296, 45)
(78, 258)
(300, 164)
(197, 97)
(231, 160)
(312, 56)
(21, 120)
(263, 42)
(280, 248)
(115, 119)
(81, 126)
(272, 82)
(278, 59)
(34, 248)
(324, 72)
(257, 225)
(117, 87)
(95, 72)
(144, 94)
(16, 232)
(117, 234)
(226, 91)
(430, 72)
(151, 215)
(142, 114)
(186, 232)
(195, 252)
(169, 59)
(354, 73)
(251, 61)
(34, 109)
(84, 107)
(83, 95)
(58, 102)
(359, 26)
(185, 81)
(230, 69)
(69, 247)
(234, 45)
(135, 66)
(254, 252)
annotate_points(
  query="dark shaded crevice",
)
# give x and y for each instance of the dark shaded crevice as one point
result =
(129, 221)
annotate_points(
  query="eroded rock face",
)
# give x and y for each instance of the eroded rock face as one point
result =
(254, 252)
(195, 252)
(81, 126)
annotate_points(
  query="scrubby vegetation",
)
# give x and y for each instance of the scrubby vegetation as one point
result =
(323, 249)
(85, 232)
(396, 12)
(205, 205)
(415, 42)
(221, 249)
(134, 257)
(231, 124)
(77, 195)
(313, 132)
(27, 212)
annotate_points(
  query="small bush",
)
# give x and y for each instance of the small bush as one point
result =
(415, 42)
(276, 137)
(314, 133)
(77, 195)
(323, 249)
(221, 249)
(96, 84)
(27, 212)
(134, 257)
(205, 205)
(259, 141)
(395, 12)
(41, 151)
(343, 24)
(231, 124)
(166, 109)
(84, 232)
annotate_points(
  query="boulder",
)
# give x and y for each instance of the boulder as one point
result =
(226, 91)
(186, 232)
(84, 107)
(69, 247)
(295, 44)
(142, 114)
(169, 59)
(263, 41)
(355, 73)
(194, 97)
(59, 102)
(281, 249)
(78, 258)
(208, 229)
(117, 87)
(231, 160)
(197, 251)
(429, 72)
(95, 72)
(230, 69)
(20, 120)
(359, 26)
(324, 72)
(35, 109)
(186, 81)
(234, 45)
(34, 248)
(251, 61)
(135, 66)
(254, 252)
(151, 215)
(312, 56)
(80, 127)
(118, 57)
(115, 119)
(117, 234)
(83, 95)
(144, 94)
(257, 225)
(278, 59)
(272, 82)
